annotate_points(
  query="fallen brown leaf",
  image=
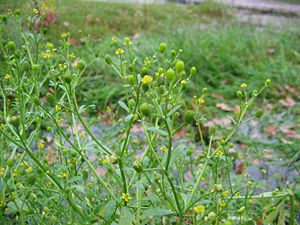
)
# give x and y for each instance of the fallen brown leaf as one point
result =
(288, 102)
(224, 107)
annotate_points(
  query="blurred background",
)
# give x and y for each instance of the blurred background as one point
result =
(229, 41)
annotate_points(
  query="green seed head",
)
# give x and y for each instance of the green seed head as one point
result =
(131, 103)
(26, 66)
(15, 121)
(50, 46)
(179, 66)
(170, 74)
(31, 179)
(219, 188)
(114, 159)
(11, 46)
(204, 91)
(144, 71)
(145, 109)
(35, 67)
(10, 163)
(259, 113)
(137, 166)
(80, 65)
(268, 82)
(67, 78)
(189, 116)
(162, 47)
(50, 97)
(239, 94)
(131, 79)
(108, 59)
(193, 70)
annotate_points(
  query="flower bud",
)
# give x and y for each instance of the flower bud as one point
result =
(204, 91)
(50, 46)
(162, 47)
(131, 103)
(219, 188)
(268, 82)
(10, 163)
(114, 159)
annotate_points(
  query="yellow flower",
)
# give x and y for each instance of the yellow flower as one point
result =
(201, 101)
(7, 77)
(163, 148)
(2, 126)
(40, 145)
(225, 193)
(219, 153)
(82, 135)
(29, 169)
(114, 39)
(1, 171)
(147, 79)
(46, 55)
(244, 86)
(72, 55)
(57, 108)
(43, 7)
(183, 82)
(119, 51)
(63, 174)
(199, 209)
(127, 41)
(126, 197)
(222, 204)
(35, 11)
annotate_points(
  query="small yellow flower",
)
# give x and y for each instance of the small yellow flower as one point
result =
(244, 86)
(219, 153)
(225, 193)
(46, 55)
(201, 101)
(57, 108)
(35, 11)
(119, 51)
(114, 39)
(222, 204)
(163, 148)
(40, 145)
(183, 82)
(127, 41)
(43, 7)
(1, 171)
(63, 174)
(263, 171)
(29, 170)
(2, 126)
(7, 77)
(65, 35)
(199, 209)
(147, 79)
(82, 135)
(106, 160)
(126, 197)
(72, 55)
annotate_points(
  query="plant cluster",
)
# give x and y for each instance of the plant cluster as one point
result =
(55, 170)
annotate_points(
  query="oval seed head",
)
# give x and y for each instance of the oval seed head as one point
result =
(162, 47)
(131, 79)
(189, 116)
(80, 65)
(179, 66)
(239, 94)
(108, 59)
(15, 121)
(145, 109)
(11, 46)
(170, 74)
(193, 70)
(131, 103)
(268, 82)
(137, 166)
(259, 113)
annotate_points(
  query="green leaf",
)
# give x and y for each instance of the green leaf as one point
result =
(127, 118)
(159, 131)
(157, 212)
(109, 209)
(172, 111)
(124, 106)
(126, 217)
